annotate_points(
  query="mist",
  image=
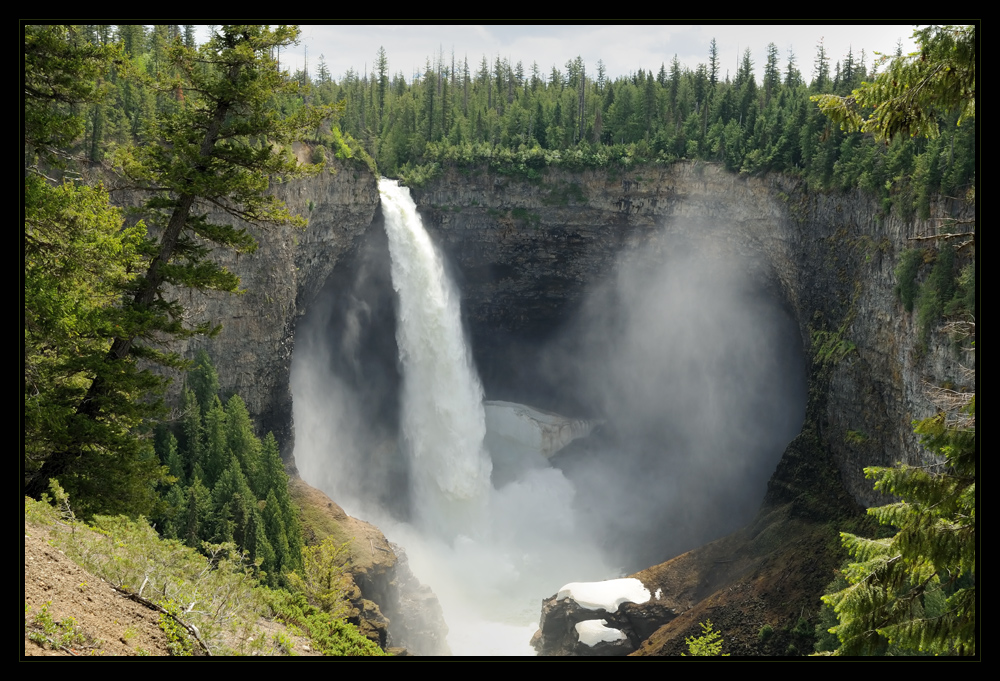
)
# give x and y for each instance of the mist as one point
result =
(687, 360)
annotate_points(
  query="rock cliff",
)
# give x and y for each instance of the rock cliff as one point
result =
(253, 351)
(527, 250)
(525, 253)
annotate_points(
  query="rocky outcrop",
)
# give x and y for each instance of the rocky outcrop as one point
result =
(570, 625)
(386, 602)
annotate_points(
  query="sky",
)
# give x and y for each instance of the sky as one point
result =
(624, 49)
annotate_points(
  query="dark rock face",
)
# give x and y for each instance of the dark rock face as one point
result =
(417, 619)
(525, 253)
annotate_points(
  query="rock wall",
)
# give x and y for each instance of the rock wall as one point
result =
(526, 251)
(253, 351)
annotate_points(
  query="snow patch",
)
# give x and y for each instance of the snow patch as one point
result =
(592, 632)
(658, 593)
(607, 595)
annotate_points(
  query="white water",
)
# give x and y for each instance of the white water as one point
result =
(443, 421)
(490, 555)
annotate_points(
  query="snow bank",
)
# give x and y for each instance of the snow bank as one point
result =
(592, 632)
(606, 595)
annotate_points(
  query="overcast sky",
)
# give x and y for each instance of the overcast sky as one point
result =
(624, 49)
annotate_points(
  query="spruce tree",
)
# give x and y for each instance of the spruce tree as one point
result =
(217, 147)
(917, 589)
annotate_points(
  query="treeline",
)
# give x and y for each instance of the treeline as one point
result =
(144, 82)
(521, 120)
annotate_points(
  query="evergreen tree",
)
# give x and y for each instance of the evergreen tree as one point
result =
(908, 96)
(216, 448)
(244, 445)
(203, 381)
(917, 589)
(217, 147)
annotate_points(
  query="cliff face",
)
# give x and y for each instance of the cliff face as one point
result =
(526, 252)
(253, 351)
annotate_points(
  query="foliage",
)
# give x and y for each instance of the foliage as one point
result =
(45, 631)
(906, 98)
(79, 264)
(709, 644)
(179, 642)
(906, 276)
(917, 588)
(61, 72)
(216, 142)
(230, 485)
(331, 635)
(324, 577)
(830, 347)
(216, 592)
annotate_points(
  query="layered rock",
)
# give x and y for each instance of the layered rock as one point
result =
(526, 252)
(253, 351)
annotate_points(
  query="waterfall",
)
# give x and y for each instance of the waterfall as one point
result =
(443, 422)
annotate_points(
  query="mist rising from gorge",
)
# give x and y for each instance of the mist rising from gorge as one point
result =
(694, 369)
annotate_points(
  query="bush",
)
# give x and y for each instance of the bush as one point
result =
(709, 644)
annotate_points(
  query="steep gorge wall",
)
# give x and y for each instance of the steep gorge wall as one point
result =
(525, 253)
(527, 250)
(253, 351)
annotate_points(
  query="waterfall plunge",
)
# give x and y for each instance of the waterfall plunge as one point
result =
(490, 555)
(443, 421)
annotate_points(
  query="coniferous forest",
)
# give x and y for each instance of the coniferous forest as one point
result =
(186, 127)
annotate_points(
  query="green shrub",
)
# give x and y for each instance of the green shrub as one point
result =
(709, 644)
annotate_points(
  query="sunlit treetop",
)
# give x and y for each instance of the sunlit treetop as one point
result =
(908, 96)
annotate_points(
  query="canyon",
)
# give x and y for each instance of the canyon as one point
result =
(527, 256)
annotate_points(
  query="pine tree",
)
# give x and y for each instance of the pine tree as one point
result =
(203, 380)
(906, 98)
(917, 589)
(216, 448)
(244, 445)
(277, 481)
(217, 147)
